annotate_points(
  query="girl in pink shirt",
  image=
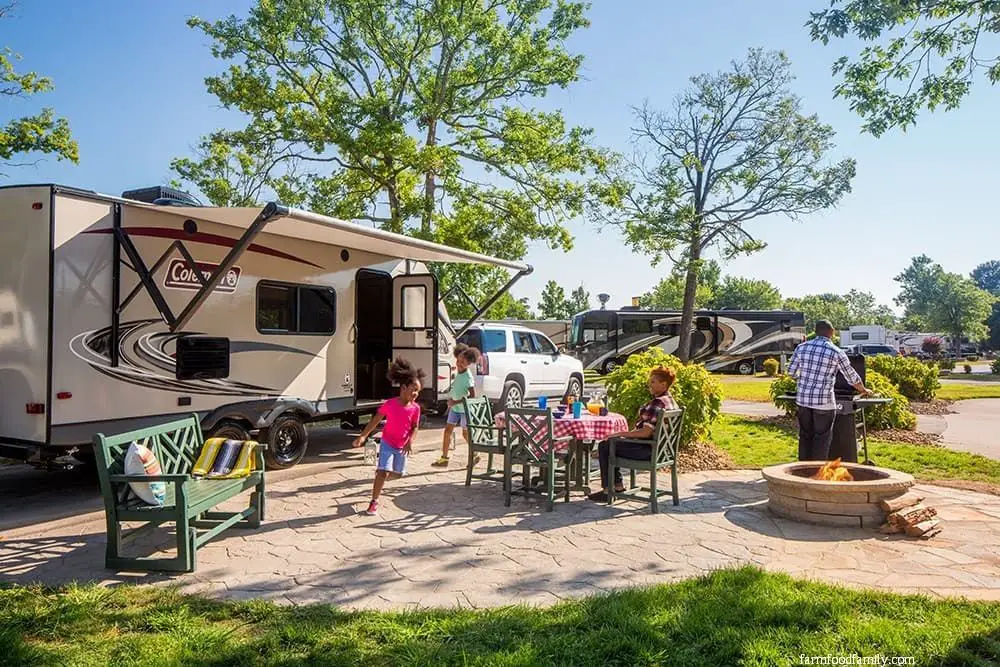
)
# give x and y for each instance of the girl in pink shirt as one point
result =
(402, 418)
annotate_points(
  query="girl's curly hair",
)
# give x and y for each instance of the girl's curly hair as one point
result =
(403, 373)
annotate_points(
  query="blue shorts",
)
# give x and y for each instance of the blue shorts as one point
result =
(391, 459)
(456, 418)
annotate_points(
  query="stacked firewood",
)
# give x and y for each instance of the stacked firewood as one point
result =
(908, 514)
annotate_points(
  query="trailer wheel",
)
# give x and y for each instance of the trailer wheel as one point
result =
(745, 367)
(609, 366)
(286, 440)
(230, 430)
(513, 395)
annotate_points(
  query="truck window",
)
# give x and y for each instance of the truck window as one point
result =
(543, 344)
(522, 343)
(472, 338)
(494, 341)
(637, 327)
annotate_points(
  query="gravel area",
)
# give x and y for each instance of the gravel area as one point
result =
(703, 456)
(935, 407)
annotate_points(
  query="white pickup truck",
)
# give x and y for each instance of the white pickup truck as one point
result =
(518, 363)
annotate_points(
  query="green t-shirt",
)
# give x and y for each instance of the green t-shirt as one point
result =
(460, 387)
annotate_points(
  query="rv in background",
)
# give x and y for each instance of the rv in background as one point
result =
(735, 341)
(123, 312)
(905, 342)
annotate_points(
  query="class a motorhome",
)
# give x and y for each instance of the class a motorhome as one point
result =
(123, 312)
(723, 340)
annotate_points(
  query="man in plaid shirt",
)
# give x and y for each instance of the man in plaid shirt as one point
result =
(815, 365)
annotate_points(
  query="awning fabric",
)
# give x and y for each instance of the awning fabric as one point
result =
(299, 224)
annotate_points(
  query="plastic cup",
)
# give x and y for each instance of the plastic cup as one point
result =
(577, 409)
(543, 402)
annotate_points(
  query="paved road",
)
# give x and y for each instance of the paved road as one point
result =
(975, 427)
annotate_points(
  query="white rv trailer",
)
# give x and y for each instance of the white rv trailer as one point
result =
(116, 314)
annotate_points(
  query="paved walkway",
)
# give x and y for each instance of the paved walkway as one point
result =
(438, 543)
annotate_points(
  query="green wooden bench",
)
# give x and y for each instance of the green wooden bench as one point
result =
(189, 501)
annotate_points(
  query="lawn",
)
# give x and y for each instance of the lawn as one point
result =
(755, 444)
(757, 390)
(737, 616)
(960, 392)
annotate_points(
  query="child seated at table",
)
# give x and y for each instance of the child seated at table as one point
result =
(660, 381)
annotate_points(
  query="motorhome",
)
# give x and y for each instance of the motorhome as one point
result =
(723, 340)
(122, 312)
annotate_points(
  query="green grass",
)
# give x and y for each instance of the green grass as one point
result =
(757, 390)
(963, 392)
(738, 388)
(737, 616)
(753, 444)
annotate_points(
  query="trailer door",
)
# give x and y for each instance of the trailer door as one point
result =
(414, 325)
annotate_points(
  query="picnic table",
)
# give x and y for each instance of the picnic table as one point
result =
(581, 433)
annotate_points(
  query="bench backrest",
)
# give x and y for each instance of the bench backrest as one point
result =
(667, 437)
(176, 445)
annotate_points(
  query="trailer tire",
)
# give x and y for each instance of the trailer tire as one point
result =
(745, 367)
(286, 440)
(230, 430)
(512, 396)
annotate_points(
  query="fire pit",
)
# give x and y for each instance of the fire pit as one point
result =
(793, 493)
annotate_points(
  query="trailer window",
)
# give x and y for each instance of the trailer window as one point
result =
(636, 327)
(859, 335)
(295, 309)
(414, 306)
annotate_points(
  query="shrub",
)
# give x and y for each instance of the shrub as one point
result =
(947, 364)
(894, 415)
(995, 367)
(932, 345)
(967, 368)
(914, 379)
(771, 367)
(696, 390)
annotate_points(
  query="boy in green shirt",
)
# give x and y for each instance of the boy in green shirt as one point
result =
(463, 386)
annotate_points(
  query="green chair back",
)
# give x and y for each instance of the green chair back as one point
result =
(528, 433)
(667, 437)
(479, 418)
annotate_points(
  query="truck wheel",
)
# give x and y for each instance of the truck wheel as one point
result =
(286, 440)
(745, 367)
(609, 366)
(230, 430)
(574, 388)
(513, 395)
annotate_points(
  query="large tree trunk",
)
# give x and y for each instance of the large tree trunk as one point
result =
(690, 293)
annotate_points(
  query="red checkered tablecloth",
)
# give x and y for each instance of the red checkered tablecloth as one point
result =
(587, 427)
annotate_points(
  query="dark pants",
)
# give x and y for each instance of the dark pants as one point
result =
(626, 450)
(815, 433)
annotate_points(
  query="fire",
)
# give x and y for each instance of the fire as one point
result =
(832, 471)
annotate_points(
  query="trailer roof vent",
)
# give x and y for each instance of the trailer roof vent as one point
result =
(161, 195)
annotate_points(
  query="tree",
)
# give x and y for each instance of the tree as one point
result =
(863, 309)
(735, 148)
(553, 303)
(579, 301)
(42, 132)
(815, 307)
(918, 285)
(746, 294)
(931, 52)
(416, 114)
(668, 294)
(987, 277)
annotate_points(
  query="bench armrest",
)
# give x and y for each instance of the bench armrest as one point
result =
(174, 479)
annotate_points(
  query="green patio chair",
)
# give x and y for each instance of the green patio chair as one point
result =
(663, 454)
(484, 436)
(529, 442)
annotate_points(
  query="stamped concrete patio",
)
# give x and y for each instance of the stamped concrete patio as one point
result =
(439, 543)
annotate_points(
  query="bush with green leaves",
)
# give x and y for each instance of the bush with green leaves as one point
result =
(771, 367)
(696, 390)
(914, 379)
(967, 368)
(893, 415)
(995, 367)
(946, 364)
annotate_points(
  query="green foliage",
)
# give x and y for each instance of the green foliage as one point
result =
(967, 368)
(668, 294)
(842, 310)
(946, 364)
(480, 283)
(987, 277)
(41, 132)
(894, 415)
(736, 147)
(914, 379)
(771, 367)
(944, 301)
(995, 367)
(555, 306)
(932, 345)
(746, 294)
(929, 55)
(696, 390)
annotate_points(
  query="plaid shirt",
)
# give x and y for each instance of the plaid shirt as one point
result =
(649, 414)
(815, 364)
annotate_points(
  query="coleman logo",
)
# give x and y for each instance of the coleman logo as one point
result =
(181, 276)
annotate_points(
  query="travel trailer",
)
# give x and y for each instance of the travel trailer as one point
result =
(123, 312)
(723, 340)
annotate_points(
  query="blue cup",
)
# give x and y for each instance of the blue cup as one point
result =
(577, 409)
(543, 402)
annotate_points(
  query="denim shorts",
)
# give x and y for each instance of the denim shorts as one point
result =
(456, 418)
(391, 459)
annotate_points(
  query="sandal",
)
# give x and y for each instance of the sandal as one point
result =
(442, 462)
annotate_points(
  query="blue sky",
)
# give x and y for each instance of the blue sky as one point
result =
(129, 77)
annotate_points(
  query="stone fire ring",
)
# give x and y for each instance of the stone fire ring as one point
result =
(792, 495)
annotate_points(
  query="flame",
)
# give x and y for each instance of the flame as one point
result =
(832, 471)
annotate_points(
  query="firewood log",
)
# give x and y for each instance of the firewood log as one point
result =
(915, 514)
(922, 528)
(908, 499)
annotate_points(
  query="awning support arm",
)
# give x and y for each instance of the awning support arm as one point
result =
(493, 299)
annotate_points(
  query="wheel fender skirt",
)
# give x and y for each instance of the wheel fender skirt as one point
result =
(260, 414)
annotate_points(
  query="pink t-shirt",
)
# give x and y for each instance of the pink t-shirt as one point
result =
(400, 422)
